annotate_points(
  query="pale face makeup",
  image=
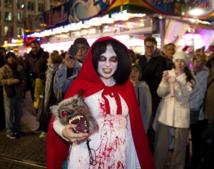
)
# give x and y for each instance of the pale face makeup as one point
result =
(107, 66)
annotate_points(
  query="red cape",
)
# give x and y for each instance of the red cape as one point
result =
(89, 81)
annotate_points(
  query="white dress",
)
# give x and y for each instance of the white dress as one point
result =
(112, 145)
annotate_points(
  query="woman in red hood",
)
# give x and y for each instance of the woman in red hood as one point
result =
(120, 141)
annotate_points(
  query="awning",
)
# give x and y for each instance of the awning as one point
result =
(209, 17)
(135, 6)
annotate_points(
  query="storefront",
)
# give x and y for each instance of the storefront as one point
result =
(128, 21)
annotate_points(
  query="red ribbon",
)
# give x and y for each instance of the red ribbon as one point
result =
(112, 93)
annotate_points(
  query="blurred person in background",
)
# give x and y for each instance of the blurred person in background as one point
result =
(173, 113)
(36, 68)
(143, 95)
(209, 113)
(82, 48)
(208, 133)
(210, 60)
(2, 56)
(66, 73)
(197, 97)
(200, 51)
(133, 57)
(2, 116)
(169, 50)
(152, 65)
(49, 97)
(13, 80)
(209, 101)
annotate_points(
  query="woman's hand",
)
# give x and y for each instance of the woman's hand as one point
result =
(165, 75)
(73, 137)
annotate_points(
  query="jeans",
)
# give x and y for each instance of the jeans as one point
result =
(12, 108)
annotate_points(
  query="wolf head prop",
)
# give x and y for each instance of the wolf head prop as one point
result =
(75, 111)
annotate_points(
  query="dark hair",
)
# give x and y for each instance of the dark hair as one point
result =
(3, 49)
(124, 64)
(200, 58)
(138, 67)
(81, 41)
(2, 56)
(169, 44)
(10, 54)
(63, 55)
(190, 78)
(35, 42)
(72, 51)
(150, 39)
(56, 57)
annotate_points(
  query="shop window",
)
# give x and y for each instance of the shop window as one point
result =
(8, 31)
(19, 4)
(30, 6)
(8, 3)
(8, 16)
(41, 7)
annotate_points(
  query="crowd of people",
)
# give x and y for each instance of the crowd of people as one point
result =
(145, 106)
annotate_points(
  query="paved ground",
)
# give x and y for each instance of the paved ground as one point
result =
(26, 152)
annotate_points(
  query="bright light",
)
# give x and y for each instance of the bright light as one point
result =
(196, 12)
(98, 21)
(191, 39)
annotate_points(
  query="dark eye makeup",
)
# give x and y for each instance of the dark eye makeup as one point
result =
(112, 59)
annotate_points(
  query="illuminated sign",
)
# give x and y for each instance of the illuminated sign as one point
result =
(29, 40)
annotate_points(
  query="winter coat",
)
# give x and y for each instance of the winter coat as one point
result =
(209, 101)
(174, 110)
(7, 73)
(62, 82)
(198, 94)
(36, 64)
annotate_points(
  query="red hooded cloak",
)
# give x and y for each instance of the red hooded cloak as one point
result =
(89, 81)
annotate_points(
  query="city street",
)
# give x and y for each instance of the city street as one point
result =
(26, 152)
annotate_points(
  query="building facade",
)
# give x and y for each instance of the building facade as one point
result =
(20, 16)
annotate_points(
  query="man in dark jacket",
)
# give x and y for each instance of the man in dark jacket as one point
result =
(2, 116)
(36, 65)
(152, 66)
(13, 81)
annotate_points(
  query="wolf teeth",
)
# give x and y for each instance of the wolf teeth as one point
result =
(77, 118)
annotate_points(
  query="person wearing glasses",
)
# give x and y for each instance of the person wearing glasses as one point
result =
(152, 64)
(82, 48)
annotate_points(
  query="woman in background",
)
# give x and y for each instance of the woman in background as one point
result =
(143, 95)
(174, 112)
